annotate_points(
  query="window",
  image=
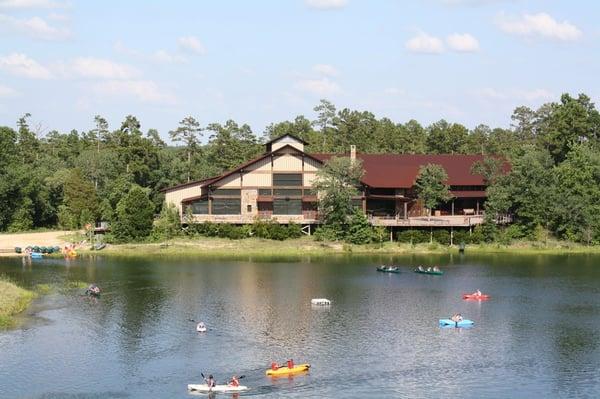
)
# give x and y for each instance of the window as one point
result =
(199, 207)
(264, 191)
(283, 206)
(310, 191)
(248, 208)
(226, 206)
(288, 192)
(287, 179)
(230, 192)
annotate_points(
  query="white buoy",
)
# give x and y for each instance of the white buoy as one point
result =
(320, 301)
(200, 327)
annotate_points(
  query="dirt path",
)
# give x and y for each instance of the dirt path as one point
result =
(8, 242)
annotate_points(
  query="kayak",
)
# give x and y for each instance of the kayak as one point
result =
(201, 327)
(432, 272)
(299, 368)
(320, 301)
(388, 269)
(216, 388)
(482, 297)
(450, 323)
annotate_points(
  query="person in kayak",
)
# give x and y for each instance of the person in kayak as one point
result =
(234, 382)
(436, 269)
(477, 293)
(274, 366)
(210, 382)
(421, 268)
(456, 317)
(290, 364)
(429, 269)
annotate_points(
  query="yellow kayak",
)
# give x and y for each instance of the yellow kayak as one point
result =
(284, 370)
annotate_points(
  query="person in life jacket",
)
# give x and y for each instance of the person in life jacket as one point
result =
(274, 366)
(234, 381)
(290, 364)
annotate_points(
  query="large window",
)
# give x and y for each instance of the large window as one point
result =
(226, 206)
(287, 179)
(200, 207)
(236, 192)
(287, 206)
(288, 192)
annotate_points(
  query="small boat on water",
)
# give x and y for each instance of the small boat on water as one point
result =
(320, 301)
(456, 324)
(388, 269)
(216, 388)
(93, 290)
(36, 255)
(476, 297)
(200, 327)
(285, 370)
(434, 271)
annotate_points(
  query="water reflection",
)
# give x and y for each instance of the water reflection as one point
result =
(379, 338)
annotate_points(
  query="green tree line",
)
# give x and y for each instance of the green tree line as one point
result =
(69, 179)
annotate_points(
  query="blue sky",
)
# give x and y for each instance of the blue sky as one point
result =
(257, 62)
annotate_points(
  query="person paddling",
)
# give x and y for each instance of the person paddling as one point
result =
(234, 382)
(456, 318)
(210, 382)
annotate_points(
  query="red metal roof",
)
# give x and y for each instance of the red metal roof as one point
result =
(468, 194)
(401, 170)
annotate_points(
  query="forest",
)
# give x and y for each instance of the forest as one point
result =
(69, 179)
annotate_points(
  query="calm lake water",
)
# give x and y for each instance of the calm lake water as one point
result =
(539, 335)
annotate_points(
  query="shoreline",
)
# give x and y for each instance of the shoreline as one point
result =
(13, 301)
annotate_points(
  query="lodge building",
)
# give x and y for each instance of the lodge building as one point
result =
(278, 186)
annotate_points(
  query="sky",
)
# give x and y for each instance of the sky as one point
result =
(264, 61)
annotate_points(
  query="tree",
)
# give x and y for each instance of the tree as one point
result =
(489, 168)
(336, 185)
(231, 144)
(80, 196)
(189, 132)
(135, 214)
(445, 138)
(431, 186)
(325, 114)
(101, 129)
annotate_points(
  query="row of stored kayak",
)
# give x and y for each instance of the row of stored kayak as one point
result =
(395, 269)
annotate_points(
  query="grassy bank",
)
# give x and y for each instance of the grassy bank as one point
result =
(13, 300)
(307, 246)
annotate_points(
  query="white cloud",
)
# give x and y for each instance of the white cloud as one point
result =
(474, 2)
(531, 95)
(324, 69)
(7, 91)
(541, 24)
(326, 4)
(165, 57)
(142, 90)
(17, 4)
(89, 67)
(464, 43)
(34, 27)
(321, 87)
(20, 65)
(191, 44)
(423, 43)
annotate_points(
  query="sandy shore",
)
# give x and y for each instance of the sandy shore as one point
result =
(8, 242)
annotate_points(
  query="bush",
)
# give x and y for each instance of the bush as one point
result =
(441, 237)
(413, 236)
(168, 224)
(135, 214)
(359, 230)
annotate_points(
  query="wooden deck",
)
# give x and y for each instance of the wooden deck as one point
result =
(424, 221)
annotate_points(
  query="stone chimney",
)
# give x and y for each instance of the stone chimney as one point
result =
(353, 153)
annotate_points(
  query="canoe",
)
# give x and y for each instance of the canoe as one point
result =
(450, 323)
(388, 269)
(320, 301)
(299, 368)
(433, 273)
(216, 388)
(200, 327)
(36, 255)
(482, 297)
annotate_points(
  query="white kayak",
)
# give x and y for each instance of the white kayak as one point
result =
(201, 327)
(216, 388)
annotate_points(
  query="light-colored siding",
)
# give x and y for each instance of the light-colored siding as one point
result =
(287, 163)
(309, 178)
(177, 195)
(310, 165)
(262, 165)
(286, 140)
(256, 179)
(232, 181)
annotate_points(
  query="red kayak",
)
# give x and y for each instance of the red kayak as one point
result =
(482, 297)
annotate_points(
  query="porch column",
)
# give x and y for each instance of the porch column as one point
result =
(209, 205)
(477, 212)
(405, 210)
(452, 207)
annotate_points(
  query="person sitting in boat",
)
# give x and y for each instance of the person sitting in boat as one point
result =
(93, 289)
(477, 293)
(436, 269)
(421, 268)
(429, 269)
(290, 364)
(234, 382)
(274, 366)
(210, 382)
(456, 317)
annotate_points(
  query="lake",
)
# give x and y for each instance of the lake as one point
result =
(538, 336)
